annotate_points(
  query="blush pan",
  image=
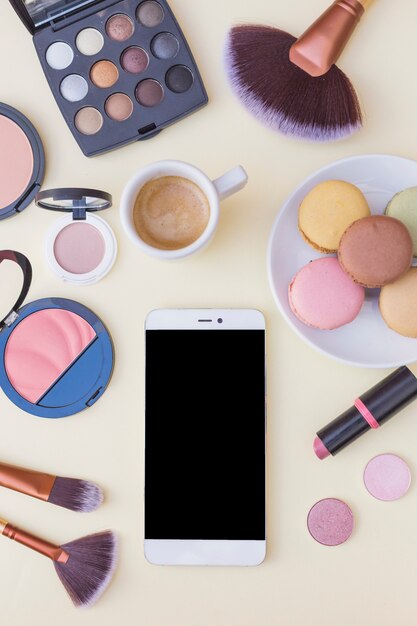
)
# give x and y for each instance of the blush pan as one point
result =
(22, 161)
(80, 247)
(107, 47)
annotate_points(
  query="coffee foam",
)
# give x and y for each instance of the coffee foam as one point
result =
(171, 212)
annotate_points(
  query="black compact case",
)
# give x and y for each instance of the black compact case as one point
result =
(121, 72)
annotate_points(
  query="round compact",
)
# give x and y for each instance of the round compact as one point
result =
(56, 355)
(80, 247)
(22, 162)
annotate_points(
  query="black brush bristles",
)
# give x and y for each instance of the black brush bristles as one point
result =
(77, 495)
(281, 94)
(89, 569)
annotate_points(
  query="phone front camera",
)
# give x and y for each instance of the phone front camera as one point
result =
(220, 321)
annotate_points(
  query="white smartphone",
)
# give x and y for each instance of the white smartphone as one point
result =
(205, 427)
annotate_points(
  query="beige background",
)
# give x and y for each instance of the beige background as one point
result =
(369, 581)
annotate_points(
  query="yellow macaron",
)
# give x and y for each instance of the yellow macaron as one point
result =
(327, 211)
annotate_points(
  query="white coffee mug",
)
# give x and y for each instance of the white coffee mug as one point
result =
(215, 191)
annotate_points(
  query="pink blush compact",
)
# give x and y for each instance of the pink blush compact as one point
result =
(56, 355)
(42, 347)
(80, 247)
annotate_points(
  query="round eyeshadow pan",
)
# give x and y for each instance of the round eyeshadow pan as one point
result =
(330, 522)
(165, 46)
(119, 27)
(89, 41)
(59, 55)
(150, 13)
(16, 161)
(387, 477)
(119, 107)
(179, 79)
(104, 74)
(79, 248)
(88, 121)
(134, 60)
(149, 93)
(74, 88)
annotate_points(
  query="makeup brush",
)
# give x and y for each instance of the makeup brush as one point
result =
(293, 85)
(71, 493)
(85, 566)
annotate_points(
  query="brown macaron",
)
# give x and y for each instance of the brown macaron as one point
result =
(376, 250)
(398, 304)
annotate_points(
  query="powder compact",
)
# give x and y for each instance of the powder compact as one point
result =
(56, 355)
(119, 71)
(22, 162)
(80, 247)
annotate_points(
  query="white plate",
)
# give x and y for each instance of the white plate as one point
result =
(367, 341)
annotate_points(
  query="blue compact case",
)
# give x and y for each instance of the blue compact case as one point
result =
(57, 356)
(120, 71)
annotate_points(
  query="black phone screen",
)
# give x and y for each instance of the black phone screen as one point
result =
(205, 435)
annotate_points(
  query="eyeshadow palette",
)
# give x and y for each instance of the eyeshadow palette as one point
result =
(119, 71)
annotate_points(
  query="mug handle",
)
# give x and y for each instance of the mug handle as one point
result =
(231, 182)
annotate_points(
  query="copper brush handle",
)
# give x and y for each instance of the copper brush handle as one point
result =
(35, 484)
(324, 41)
(56, 553)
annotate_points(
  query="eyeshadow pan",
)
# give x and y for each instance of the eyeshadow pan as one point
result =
(79, 248)
(134, 60)
(150, 13)
(89, 41)
(16, 161)
(119, 27)
(165, 46)
(74, 88)
(104, 74)
(59, 55)
(88, 121)
(330, 522)
(119, 107)
(387, 477)
(179, 79)
(149, 93)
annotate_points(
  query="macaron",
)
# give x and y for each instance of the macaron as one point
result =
(403, 207)
(398, 304)
(322, 296)
(327, 211)
(376, 250)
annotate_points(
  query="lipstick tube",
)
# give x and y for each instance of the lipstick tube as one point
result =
(369, 412)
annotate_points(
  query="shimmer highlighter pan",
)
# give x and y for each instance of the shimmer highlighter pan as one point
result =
(56, 355)
(22, 162)
(80, 247)
(119, 71)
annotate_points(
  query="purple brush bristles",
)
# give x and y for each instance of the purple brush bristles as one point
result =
(89, 569)
(77, 495)
(283, 96)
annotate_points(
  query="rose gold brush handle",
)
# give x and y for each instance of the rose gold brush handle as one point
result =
(321, 45)
(34, 543)
(35, 484)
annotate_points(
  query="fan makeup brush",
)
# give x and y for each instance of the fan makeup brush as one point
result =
(85, 566)
(293, 85)
(71, 493)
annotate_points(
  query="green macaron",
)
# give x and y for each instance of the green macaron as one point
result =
(403, 206)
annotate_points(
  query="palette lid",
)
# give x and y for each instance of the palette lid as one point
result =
(23, 262)
(38, 13)
(75, 200)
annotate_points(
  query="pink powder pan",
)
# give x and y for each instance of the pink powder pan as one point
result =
(22, 162)
(80, 247)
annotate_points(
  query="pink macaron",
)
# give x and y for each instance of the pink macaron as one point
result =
(323, 296)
